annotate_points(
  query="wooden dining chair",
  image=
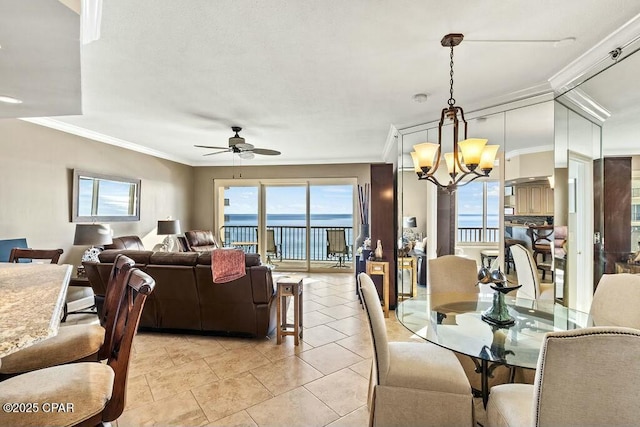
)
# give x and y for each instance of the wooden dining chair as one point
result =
(96, 391)
(74, 343)
(18, 254)
(412, 383)
(579, 382)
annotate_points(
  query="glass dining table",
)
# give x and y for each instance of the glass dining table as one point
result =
(453, 321)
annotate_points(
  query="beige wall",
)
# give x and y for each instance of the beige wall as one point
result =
(35, 190)
(203, 206)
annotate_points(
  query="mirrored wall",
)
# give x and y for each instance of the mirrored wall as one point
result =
(598, 124)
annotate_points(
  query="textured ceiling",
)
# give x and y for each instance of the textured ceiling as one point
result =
(319, 81)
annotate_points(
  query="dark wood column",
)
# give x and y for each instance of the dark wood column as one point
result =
(612, 214)
(383, 223)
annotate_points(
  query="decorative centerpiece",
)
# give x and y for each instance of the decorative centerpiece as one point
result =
(363, 208)
(498, 314)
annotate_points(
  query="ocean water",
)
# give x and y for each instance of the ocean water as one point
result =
(320, 220)
(291, 240)
(475, 220)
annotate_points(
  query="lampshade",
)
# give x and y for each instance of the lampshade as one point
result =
(488, 157)
(409, 222)
(472, 151)
(92, 234)
(168, 226)
(425, 153)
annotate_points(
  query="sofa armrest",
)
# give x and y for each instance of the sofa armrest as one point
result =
(261, 284)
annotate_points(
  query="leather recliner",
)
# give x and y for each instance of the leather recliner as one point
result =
(201, 240)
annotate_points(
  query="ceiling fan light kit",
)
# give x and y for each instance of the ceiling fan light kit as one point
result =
(471, 158)
(238, 146)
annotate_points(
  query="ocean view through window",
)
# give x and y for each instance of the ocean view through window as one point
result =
(286, 221)
(477, 215)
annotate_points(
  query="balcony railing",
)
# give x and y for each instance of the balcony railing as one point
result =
(474, 235)
(289, 240)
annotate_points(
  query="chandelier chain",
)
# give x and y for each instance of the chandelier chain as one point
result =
(452, 100)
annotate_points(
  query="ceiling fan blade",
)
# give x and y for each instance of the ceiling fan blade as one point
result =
(211, 147)
(244, 146)
(217, 152)
(266, 152)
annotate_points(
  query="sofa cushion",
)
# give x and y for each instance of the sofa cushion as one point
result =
(140, 257)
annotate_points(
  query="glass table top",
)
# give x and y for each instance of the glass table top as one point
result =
(454, 321)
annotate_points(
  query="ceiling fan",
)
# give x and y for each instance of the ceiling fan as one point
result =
(241, 148)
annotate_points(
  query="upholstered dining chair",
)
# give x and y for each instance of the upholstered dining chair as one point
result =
(451, 273)
(616, 301)
(412, 383)
(74, 343)
(579, 382)
(455, 274)
(97, 391)
(528, 276)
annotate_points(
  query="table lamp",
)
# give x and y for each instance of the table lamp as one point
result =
(92, 234)
(168, 227)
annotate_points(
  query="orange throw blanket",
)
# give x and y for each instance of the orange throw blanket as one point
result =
(227, 265)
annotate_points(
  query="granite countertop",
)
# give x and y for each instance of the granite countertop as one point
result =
(32, 298)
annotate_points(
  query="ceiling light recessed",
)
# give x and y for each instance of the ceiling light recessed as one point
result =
(420, 97)
(10, 100)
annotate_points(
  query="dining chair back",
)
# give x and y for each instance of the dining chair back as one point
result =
(116, 286)
(579, 382)
(412, 383)
(616, 301)
(96, 390)
(526, 271)
(452, 273)
(18, 254)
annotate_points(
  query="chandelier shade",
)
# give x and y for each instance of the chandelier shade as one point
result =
(470, 159)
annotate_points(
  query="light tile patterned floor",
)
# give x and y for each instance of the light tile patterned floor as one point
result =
(218, 381)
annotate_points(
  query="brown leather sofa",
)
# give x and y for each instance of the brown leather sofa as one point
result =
(185, 297)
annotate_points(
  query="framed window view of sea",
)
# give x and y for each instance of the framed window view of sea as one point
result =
(478, 220)
(99, 197)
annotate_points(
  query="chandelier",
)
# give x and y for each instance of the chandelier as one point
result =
(471, 158)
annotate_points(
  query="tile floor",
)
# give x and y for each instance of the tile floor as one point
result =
(221, 381)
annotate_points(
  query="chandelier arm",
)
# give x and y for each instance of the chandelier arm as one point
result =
(456, 150)
(433, 180)
(459, 179)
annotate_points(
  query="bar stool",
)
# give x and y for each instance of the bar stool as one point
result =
(289, 287)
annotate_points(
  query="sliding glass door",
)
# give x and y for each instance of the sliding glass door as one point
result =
(295, 226)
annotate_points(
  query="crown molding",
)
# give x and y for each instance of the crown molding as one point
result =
(595, 58)
(100, 137)
(578, 100)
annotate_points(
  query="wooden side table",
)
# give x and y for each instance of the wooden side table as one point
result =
(381, 268)
(409, 263)
(289, 287)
